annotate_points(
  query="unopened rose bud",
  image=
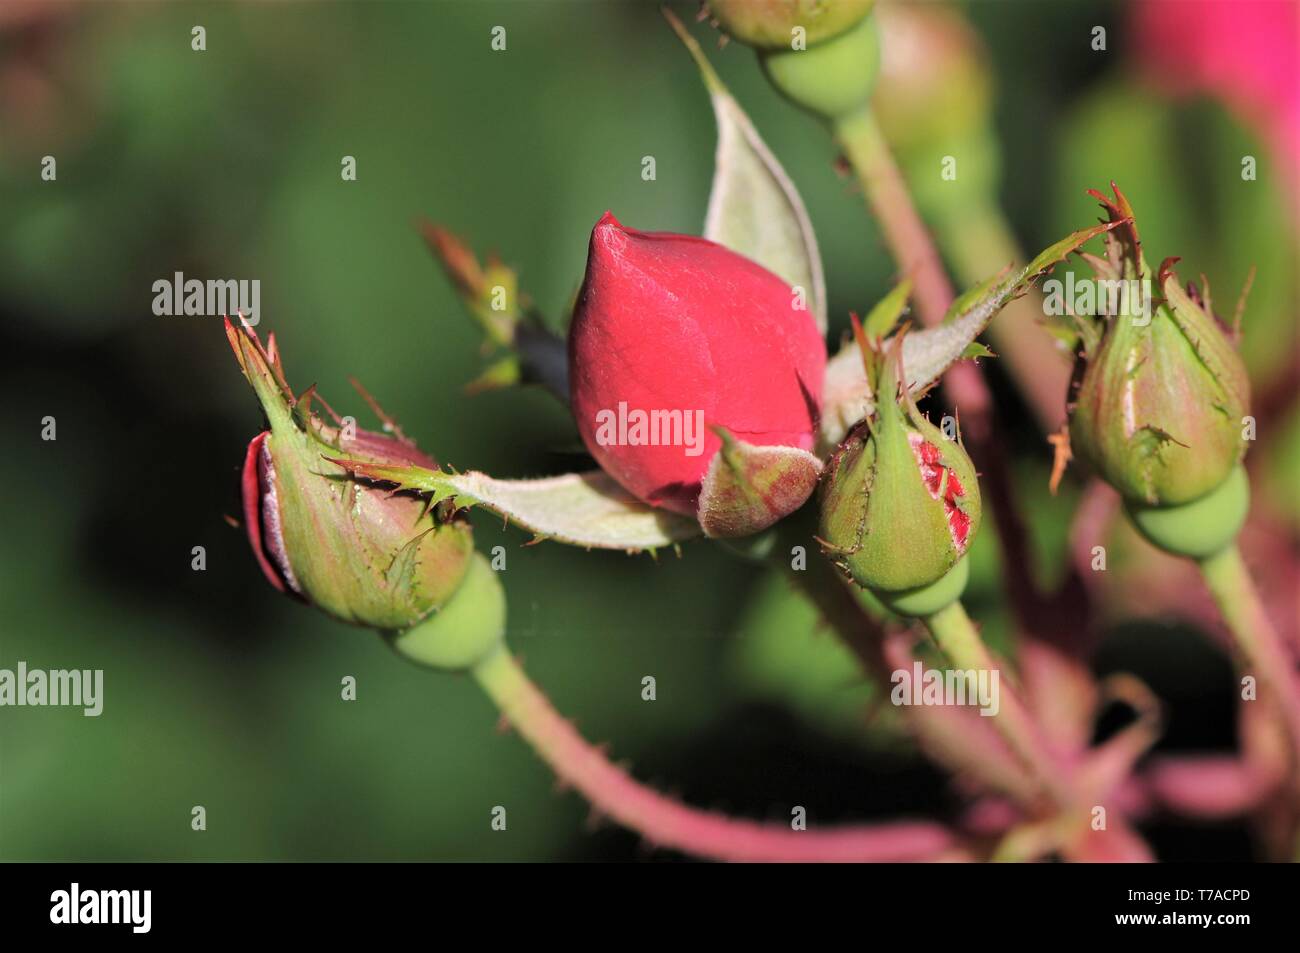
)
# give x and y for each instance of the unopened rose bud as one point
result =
(901, 502)
(675, 338)
(771, 24)
(360, 553)
(1160, 392)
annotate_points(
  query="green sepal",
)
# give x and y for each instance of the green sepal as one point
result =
(882, 319)
(748, 488)
(880, 523)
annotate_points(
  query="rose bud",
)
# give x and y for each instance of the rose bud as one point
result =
(1160, 393)
(360, 553)
(676, 338)
(901, 502)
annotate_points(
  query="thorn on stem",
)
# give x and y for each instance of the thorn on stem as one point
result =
(1061, 456)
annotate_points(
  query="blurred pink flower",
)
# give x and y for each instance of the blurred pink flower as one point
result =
(1245, 53)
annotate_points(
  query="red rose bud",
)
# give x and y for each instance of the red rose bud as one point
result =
(1160, 393)
(901, 502)
(674, 336)
(362, 554)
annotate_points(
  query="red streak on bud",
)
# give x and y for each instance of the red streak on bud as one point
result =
(932, 475)
(251, 490)
(262, 515)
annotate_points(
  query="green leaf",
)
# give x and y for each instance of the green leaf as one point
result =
(846, 395)
(754, 208)
(432, 483)
(500, 374)
(580, 509)
(1053, 255)
(884, 316)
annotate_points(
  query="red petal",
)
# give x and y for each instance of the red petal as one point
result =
(678, 324)
(251, 487)
(928, 458)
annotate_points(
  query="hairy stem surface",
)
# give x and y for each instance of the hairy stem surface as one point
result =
(665, 822)
(1261, 649)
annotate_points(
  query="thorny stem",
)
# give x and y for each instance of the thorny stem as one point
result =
(963, 742)
(665, 822)
(1262, 650)
(916, 255)
(961, 644)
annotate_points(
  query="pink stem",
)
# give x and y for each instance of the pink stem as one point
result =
(665, 822)
(913, 251)
(958, 738)
(917, 256)
(1058, 683)
(1208, 786)
(1257, 641)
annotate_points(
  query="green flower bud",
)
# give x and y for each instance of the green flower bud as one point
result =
(360, 553)
(1160, 393)
(770, 24)
(900, 501)
(832, 79)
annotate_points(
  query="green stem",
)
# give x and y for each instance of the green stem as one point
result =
(963, 647)
(886, 191)
(1262, 650)
(665, 822)
(915, 254)
(966, 746)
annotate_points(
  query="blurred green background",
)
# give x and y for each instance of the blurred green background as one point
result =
(226, 163)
